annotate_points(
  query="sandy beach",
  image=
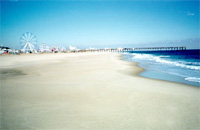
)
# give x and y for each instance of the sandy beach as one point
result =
(91, 91)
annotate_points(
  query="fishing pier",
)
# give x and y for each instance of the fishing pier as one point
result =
(160, 49)
(4, 50)
(146, 49)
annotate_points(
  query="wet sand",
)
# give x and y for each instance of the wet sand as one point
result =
(90, 91)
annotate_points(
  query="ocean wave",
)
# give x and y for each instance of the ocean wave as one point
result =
(164, 56)
(126, 53)
(158, 59)
(193, 79)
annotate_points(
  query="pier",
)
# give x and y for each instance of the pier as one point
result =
(4, 50)
(160, 49)
(135, 49)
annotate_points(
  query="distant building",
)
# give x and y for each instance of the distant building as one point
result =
(4, 49)
(119, 49)
(71, 48)
(92, 48)
(44, 48)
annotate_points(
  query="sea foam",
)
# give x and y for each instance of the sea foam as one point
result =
(158, 59)
(177, 66)
(193, 79)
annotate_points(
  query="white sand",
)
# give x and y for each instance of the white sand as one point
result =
(91, 91)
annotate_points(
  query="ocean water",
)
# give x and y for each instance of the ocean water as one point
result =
(177, 66)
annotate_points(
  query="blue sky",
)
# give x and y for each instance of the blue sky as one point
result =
(102, 23)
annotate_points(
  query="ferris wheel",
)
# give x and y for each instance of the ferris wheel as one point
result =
(28, 42)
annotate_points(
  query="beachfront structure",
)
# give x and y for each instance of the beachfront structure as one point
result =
(44, 48)
(119, 49)
(28, 42)
(4, 49)
(71, 48)
(57, 49)
(62, 49)
(92, 48)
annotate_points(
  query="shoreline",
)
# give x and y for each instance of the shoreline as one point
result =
(156, 79)
(91, 91)
(140, 70)
(157, 73)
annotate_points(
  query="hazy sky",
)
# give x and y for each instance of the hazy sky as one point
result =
(101, 23)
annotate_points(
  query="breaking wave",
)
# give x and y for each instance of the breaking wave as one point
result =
(193, 79)
(161, 60)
